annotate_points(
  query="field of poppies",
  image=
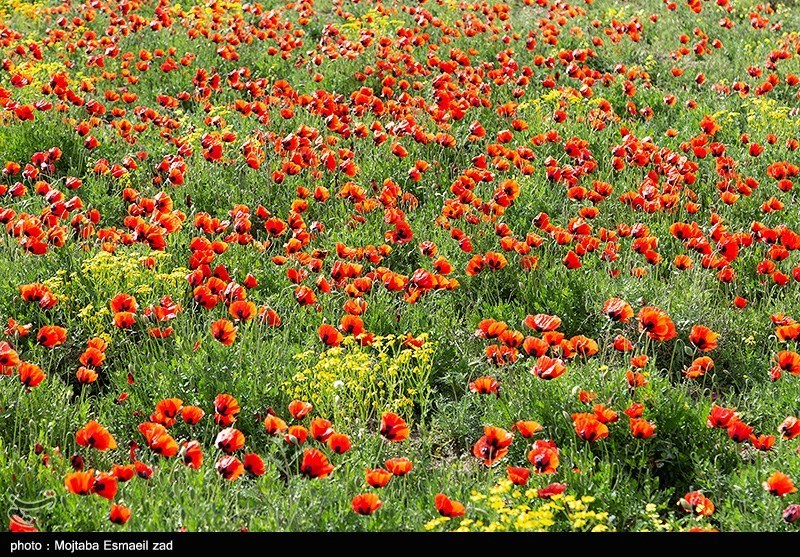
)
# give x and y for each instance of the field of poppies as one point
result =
(426, 265)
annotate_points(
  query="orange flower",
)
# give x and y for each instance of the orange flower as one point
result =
(695, 501)
(548, 368)
(656, 323)
(51, 335)
(493, 445)
(229, 467)
(315, 464)
(393, 427)
(80, 483)
(105, 485)
(192, 414)
(399, 466)
(642, 429)
(192, 454)
(329, 335)
(789, 428)
(720, 417)
(779, 484)
(377, 477)
(485, 385)
(30, 374)
(788, 361)
(158, 439)
(224, 331)
(605, 415)
(366, 503)
(518, 476)
(527, 428)
(254, 464)
(274, 425)
(299, 409)
(543, 322)
(8, 356)
(19, 525)
(618, 310)
(339, 443)
(739, 431)
(703, 338)
(544, 456)
(95, 436)
(588, 427)
(119, 514)
(321, 429)
(447, 507)
(229, 440)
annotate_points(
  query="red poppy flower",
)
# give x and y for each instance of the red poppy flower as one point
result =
(399, 466)
(51, 336)
(485, 385)
(366, 504)
(448, 507)
(30, 374)
(656, 323)
(229, 467)
(105, 485)
(315, 464)
(192, 454)
(779, 484)
(393, 427)
(158, 439)
(720, 417)
(19, 525)
(80, 483)
(789, 428)
(618, 310)
(119, 514)
(527, 428)
(703, 338)
(519, 476)
(642, 429)
(339, 443)
(254, 464)
(224, 331)
(739, 431)
(321, 429)
(192, 414)
(493, 445)
(695, 501)
(299, 409)
(548, 368)
(229, 440)
(588, 427)
(95, 436)
(377, 477)
(274, 425)
(296, 435)
(552, 489)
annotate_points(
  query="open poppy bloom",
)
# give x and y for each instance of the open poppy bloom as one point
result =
(527, 428)
(393, 427)
(254, 464)
(485, 385)
(377, 477)
(493, 445)
(80, 483)
(656, 323)
(695, 501)
(315, 464)
(779, 484)
(19, 525)
(544, 456)
(224, 331)
(618, 310)
(229, 467)
(299, 409)
(51, 336)
(642, 429)
(339, 443)
(548, 368)
(159, 441)
(229, 440)
(703, 338)
(552, 489)
(399, 466)
(95, 436)
(447, 507)
(321, 429)
(119, 514)
(519, 476)
(588, 427)
(366, 503)
(789, 428)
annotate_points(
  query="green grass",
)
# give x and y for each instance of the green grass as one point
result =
(636, 483)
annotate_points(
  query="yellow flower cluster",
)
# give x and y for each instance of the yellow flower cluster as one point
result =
(354, 382)
(507, 508)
